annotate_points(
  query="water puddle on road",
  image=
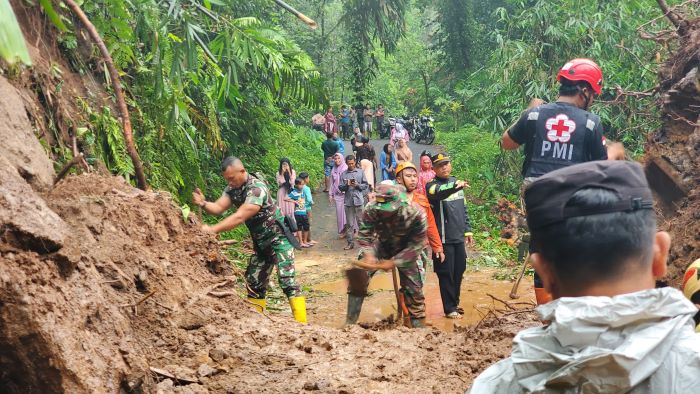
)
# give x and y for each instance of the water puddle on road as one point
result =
(382, 301)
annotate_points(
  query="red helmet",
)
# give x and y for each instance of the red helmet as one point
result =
(583, 70)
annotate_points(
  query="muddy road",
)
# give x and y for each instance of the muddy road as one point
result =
(320, 269)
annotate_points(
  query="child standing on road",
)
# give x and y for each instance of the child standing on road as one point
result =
(309, 202)
(300, 214)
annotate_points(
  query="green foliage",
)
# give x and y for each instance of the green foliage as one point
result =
(369, 22)
(203, 81)
(407, 77)
(534, 41)
(105, 140)
(12, 45)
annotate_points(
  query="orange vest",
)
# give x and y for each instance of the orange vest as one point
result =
(420, 200)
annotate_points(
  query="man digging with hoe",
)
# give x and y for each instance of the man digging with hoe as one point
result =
(392, 234)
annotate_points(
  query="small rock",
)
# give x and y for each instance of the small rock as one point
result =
(166, 386)
(218, 355)
(141, 281)
(205, 370)
(322, 385)
(190, 322)
(318, 385)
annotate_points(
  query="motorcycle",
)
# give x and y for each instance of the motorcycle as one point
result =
(410, 124)
(386, 131)
(425, 130)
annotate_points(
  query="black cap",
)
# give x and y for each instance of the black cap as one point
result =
(546, 197)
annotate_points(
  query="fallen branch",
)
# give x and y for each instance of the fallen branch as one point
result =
(508, 305)
(221, 294)
(226, 242)
(172, 376)
(255, 340)
(75, 160)
(490, 313)
(134, 307)
(116, 84)
(519, 311)
(207, 291)
(75, 151)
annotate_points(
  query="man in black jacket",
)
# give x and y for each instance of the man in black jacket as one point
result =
(446, 196)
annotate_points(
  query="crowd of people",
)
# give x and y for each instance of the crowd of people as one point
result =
(361, 120)
(594, 245)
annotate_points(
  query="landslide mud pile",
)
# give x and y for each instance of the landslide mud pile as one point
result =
(673, 153)
(117, 290)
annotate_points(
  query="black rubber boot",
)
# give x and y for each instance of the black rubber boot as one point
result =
(354, 308)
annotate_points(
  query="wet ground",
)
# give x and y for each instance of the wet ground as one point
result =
(321, 268)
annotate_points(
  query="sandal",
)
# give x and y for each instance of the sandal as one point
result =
(460, 310)
(349, 246)
(453, 315)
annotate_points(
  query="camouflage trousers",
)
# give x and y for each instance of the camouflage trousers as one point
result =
(424, 261)
(278, 253)
(411, 287)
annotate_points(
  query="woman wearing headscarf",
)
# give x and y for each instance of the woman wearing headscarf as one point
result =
(335, 195)
(425, 173)
(387, 162)
(398, 132)
(367, 160)
(403, 152)
(285, 182)
(330, 120)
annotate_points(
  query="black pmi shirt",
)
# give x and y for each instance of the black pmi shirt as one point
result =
(557, 135)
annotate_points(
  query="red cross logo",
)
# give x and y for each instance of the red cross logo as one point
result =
(560, 128)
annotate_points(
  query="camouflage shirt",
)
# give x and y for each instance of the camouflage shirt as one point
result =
(399, 234)
(263, 226)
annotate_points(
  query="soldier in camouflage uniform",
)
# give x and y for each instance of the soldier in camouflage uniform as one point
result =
(392, 233)
(256, 208)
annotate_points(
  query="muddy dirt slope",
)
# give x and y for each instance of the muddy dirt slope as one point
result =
(673, 153)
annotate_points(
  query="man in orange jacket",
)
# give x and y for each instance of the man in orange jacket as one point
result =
(407, 176)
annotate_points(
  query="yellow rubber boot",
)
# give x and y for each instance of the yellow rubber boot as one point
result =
(258, 304)
(298, 305)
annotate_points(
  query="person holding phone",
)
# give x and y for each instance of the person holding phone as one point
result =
(353, 183)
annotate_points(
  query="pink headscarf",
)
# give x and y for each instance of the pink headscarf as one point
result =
(336, 172)
(424, 176)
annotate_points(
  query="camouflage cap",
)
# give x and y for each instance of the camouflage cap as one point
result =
(389, 198)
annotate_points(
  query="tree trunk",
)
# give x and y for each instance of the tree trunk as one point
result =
(426, 86)
(116, 84)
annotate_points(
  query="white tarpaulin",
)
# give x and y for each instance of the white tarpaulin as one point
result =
(641, 342)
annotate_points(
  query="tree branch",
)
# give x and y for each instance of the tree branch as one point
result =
(116, 84)
(672, 16)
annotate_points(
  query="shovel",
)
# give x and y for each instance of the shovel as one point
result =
(514, 291)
